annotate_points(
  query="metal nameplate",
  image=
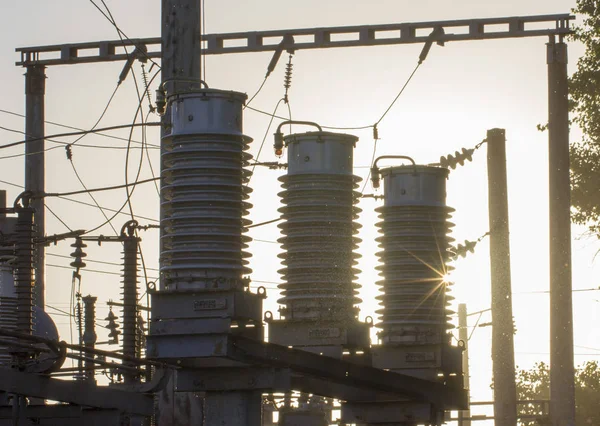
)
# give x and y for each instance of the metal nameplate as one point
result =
(323, 333)
(209, 304)
(419, 356)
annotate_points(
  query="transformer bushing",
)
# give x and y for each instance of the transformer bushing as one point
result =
(416, 249)
(320, 211)
(203, 294)
(414, 258)
(414, 315)
(204, 192)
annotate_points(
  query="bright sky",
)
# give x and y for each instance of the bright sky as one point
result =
(462, 90)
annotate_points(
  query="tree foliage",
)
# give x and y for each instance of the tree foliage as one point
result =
(584, 87)
(534, 384)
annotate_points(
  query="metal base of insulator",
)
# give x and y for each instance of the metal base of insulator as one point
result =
(192, 327)
(329, 338)
(320, 212)
(415, 252)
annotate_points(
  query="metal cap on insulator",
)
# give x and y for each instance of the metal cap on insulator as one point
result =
(414, 186)
(320, 153)
(207, 111)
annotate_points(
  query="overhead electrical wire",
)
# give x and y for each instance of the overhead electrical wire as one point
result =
(119, 31)
(83, 202)
(54, 123)
(105, 188)
(57, 217)
(91, 195)
(101, 115)
(262, 144)
(83, 132)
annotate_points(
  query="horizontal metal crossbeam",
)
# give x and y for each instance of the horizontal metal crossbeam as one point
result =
(74, 392)
(346, 376)
(310, 38)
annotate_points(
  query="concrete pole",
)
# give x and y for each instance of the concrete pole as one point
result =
(464, 416)
(503, 356)
(562, 369)
(180, 59)
(35, 89)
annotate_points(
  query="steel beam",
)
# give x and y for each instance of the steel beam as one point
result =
(305, 38)
(74, 392)
(343, 372)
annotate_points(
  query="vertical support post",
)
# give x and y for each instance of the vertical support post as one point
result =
(562, 369)
(464, 416)
(503, 355)
(180, 59)
(89, 334)
(35, 89)
(233, 408)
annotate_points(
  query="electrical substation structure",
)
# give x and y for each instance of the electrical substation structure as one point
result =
(206, 345)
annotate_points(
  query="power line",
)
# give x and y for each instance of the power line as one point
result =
(119, 31)
(105, 188)
(83, 132)
(95, 261)
(57, 217)
(256, 225)
(264, 138)
(399, 94)
(54, 123)
(101, 115)
(91, 195)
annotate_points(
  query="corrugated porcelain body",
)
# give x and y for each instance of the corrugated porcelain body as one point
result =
(130, 299)
(204, 192)
(8, 302)
(415, 251)
(320, 212)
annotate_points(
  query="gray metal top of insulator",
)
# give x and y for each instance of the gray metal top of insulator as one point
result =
(212, 93)
(207, 111)
(414, 186)
(320, 153)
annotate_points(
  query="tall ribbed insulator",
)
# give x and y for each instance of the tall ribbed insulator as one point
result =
(415, 253)
(89, 334)
(8, 300)
(319, 227)
(24, 247)
(130, 299)
(204, 192)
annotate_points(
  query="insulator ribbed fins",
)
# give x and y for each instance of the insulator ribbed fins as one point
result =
(319, 241)
(414, 259)
(204, 192)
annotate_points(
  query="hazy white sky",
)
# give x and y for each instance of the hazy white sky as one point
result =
(462, 90)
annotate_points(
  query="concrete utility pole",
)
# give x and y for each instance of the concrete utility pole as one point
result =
(35, 89)
(464, 416)
(503, 355)
(562, 370)
(180, 59)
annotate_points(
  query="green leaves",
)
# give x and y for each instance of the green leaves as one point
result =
(584, 102)
(534, 384)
